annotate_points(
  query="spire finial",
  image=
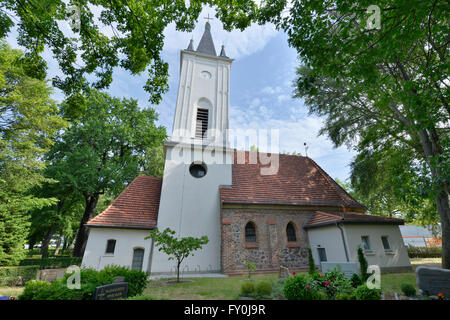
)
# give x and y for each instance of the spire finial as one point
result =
(207, 25)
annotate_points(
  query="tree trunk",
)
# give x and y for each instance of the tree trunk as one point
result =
(444, 211)
(83, 232)
(178, 271)
(46, 241)
(58, 245)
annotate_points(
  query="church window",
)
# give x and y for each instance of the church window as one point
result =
(138, 259)
(202, 123)
(197, 170)
(110, 246)
(290, 232)
(322, 254)
(250, 232)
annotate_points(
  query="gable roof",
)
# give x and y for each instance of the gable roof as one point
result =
(136, 207)
(319, 219)
(298, 181)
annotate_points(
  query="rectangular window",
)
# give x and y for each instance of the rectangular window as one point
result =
(365, 243)
(322, 254)
(202, 123)
(386, 244)
(110, 246)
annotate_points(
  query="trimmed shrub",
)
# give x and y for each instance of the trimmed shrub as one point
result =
(277, 289)
(344, 296)
(299, 287)
(264, 288)
(356, 280)
(364, 293)
(408, 289)
(52, 263)
(311, 264)
(247, 288)
(90, 279)
(424, 252)
(14, 276)
(332, 283)
(362, 264)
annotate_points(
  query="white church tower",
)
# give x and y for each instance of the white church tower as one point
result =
(197, 157)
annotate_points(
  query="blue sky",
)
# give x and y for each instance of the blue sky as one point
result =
(261, 88)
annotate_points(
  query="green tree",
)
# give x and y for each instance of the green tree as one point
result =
(28, 121)
(176, 248)
(377, 87)
(102, 151)
(153, 161)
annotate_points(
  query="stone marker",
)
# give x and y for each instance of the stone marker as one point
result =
(111, 291)
(432, 281)
(348, 268)
(284, 272)
(50, 275)
(118, 279)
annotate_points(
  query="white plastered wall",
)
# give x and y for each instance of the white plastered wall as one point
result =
(330, 238)
(126, 240)
(386, 260)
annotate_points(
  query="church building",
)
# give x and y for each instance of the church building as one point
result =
(247, 213)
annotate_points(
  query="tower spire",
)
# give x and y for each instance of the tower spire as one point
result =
(206, 44)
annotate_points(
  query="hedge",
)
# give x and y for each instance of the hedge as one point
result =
(424, 252)
(90, 279)
(52, 263)
(14, 276)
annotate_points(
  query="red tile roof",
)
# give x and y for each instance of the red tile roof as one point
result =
(299, 181)
(320, 218)
(136, 207)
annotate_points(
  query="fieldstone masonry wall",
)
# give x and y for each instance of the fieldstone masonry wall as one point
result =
(271, 249)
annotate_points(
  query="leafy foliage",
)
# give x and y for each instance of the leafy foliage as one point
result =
(408, 289)
(311, 264)
(90, 279)
(424, 252)
(176, 248)
(247, 288)
(12, 276)
(102, 151)
(362, 264)
(364, 293)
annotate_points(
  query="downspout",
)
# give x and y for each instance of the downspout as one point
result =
(150, 256)
(343, 240)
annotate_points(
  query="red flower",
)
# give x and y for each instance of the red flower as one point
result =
(308, 288)
(293, 272)
(326, 283)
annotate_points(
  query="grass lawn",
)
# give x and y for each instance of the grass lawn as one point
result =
(229, 288)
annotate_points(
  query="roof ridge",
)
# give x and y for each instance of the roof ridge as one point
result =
(335, 185)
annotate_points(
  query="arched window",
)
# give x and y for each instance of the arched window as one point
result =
(290, 232)
(138, 259)
(110, 246)
(250, 232)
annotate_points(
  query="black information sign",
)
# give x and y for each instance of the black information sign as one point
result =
(111, 291)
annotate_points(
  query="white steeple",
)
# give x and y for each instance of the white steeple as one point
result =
(201, 114)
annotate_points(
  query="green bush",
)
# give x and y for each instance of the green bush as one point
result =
(141, 297)
(90, 279)
(52, 263)
(277, 289)
(311, 264)
(424, 252)
(344, 296)
(356, 280)
(333, 282)
(408, 289)
(264, 288)
(13, 276)
(299, 287)
(33, 289)
(247, 288)
(364, 293)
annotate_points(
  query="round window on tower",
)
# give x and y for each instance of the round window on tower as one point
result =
(197, 170)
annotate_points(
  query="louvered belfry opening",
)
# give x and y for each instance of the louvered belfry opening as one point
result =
(202, 123)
